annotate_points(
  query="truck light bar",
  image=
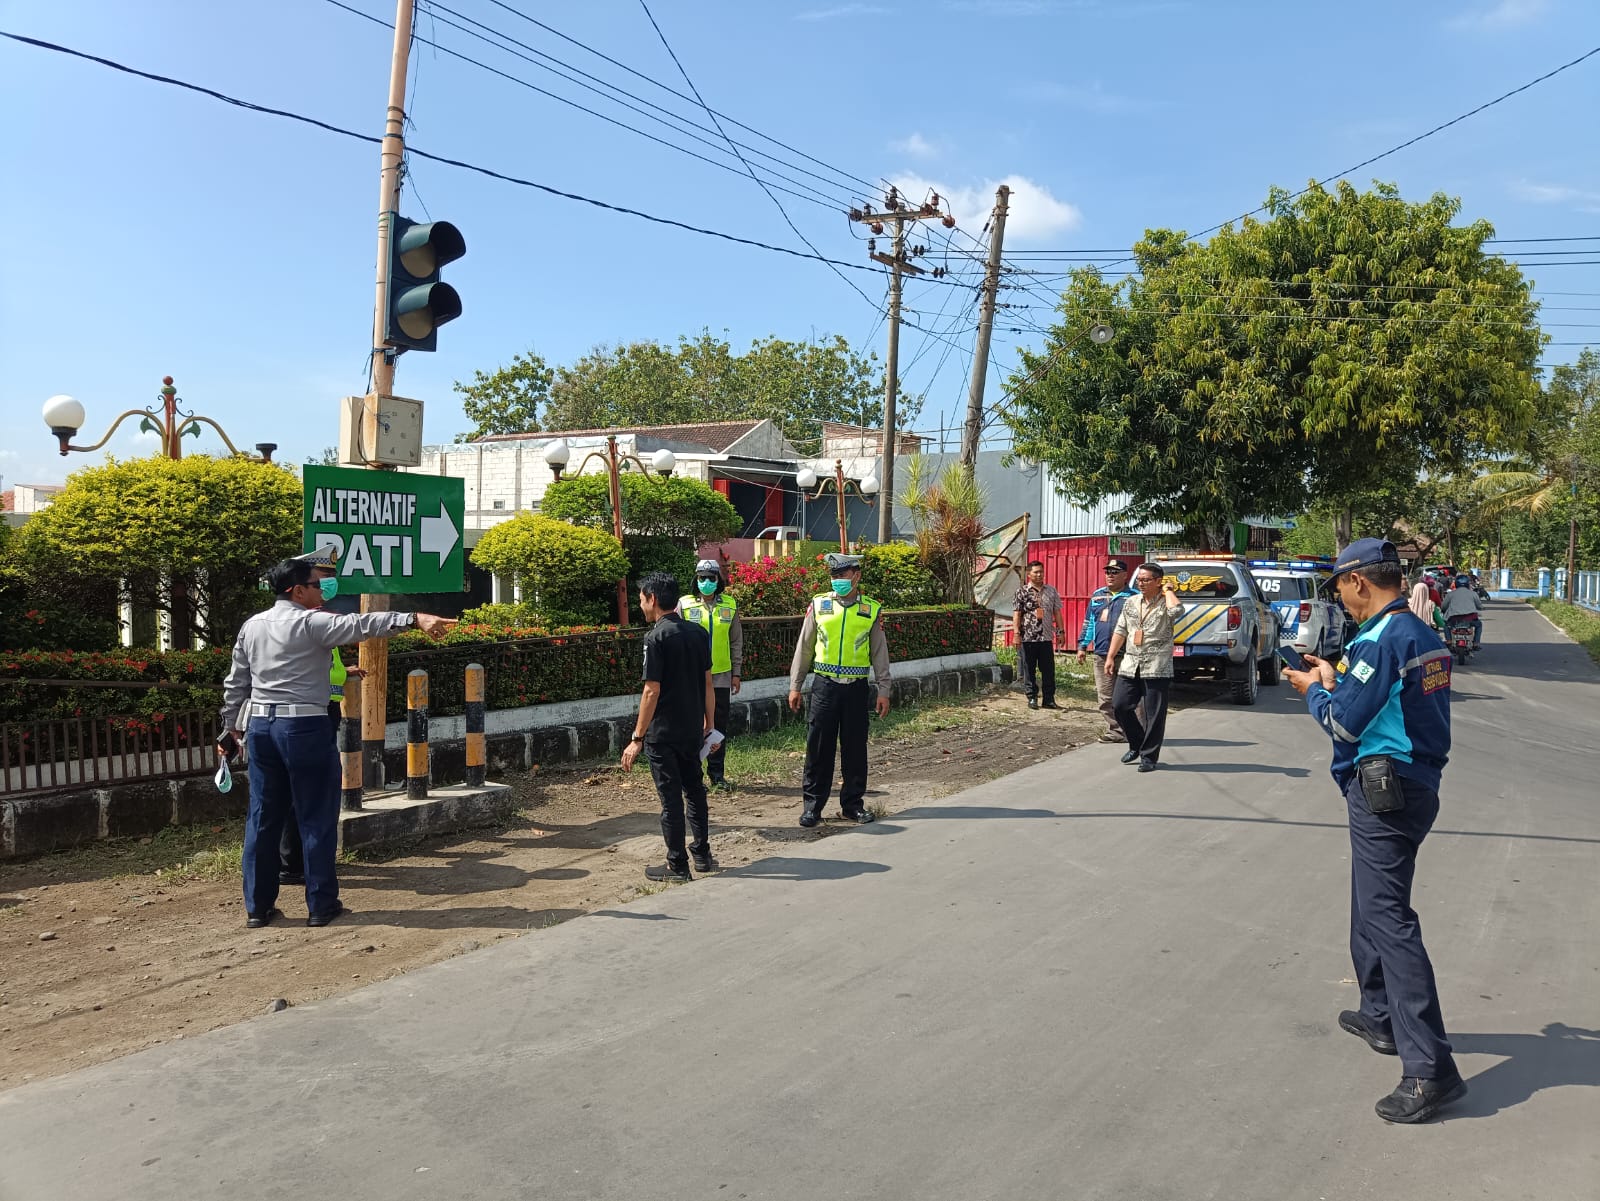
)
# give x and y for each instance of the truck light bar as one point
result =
(1293, 564)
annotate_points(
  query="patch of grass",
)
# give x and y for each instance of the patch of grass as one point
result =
(212, 863)
(1582, 625)
(163, 852)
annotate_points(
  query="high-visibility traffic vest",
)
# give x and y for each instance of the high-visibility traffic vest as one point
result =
(716, 618)
(337, 675)
(844, 636)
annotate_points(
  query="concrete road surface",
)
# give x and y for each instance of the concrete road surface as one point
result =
(1074, 982)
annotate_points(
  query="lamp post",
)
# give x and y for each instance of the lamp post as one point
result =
(65, 416)
(557, 455)
(868, 488)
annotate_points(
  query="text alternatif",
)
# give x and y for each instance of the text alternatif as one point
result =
(355, 506)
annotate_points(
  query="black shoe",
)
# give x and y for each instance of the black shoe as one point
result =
(291, 878)
(809, 819)
(1147, 765)
(1033, 703)
(1130, 756)
(1416, 1100)
(322, 919)
(254, 921)
(860, 816)
(665, 873)
(1049, 705)
(704, 863)
(1353, 1022)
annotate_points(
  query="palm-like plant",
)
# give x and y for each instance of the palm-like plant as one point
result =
(947, 515)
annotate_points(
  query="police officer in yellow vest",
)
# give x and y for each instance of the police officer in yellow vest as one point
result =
(291, 855)
(718, 615)
(842, 641)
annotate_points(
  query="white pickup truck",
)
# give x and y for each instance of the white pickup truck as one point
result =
(1227, 631)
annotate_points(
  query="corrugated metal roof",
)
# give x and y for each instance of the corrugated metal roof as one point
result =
(1063, 518)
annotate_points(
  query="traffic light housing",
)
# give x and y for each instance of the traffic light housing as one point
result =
(416, 301)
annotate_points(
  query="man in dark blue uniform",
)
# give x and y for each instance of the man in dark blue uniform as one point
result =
(1100, 619)
(1387, 709)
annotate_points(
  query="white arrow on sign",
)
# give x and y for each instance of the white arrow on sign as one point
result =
(439, 535)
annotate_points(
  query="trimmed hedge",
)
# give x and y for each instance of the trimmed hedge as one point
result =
(520, 670)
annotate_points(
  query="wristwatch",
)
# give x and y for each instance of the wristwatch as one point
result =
(637, 738)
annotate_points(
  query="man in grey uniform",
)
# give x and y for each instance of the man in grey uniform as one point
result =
(842, 640)
(280, 666)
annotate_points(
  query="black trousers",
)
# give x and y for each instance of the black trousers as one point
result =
(719, 719)
(681, 788)
(1143, 736)
(291, 855)
(1039, 657)
(1398, 992)
(839, 717)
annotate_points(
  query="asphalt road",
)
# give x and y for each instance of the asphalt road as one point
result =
(1073, 982)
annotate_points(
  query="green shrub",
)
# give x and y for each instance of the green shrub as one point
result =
(566, 572)
(772, 587)
(685, 511)
(894, 575)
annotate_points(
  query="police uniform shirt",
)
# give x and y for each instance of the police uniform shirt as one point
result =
(805, 650)
(677, 656)
(282, 655)
(1391, 697)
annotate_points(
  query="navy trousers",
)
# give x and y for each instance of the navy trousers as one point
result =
(291, 859)
(292, 779)
(1398, 993)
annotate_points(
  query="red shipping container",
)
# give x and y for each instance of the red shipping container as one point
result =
(1075, 567)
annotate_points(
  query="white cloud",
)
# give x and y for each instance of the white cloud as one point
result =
(1504, 14)
(916, 146)
(842, 10)
(1033, 214)
(1544, 193)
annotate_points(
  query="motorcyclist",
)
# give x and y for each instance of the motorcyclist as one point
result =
(1461, 603)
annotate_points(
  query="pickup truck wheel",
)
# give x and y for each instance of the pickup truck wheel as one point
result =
(1271, 670)
(1245, 690)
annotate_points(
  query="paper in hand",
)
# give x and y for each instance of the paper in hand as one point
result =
(712, 742)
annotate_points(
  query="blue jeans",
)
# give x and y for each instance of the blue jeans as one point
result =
(291, 780)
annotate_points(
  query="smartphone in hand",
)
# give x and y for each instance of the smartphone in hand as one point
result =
(228, 745)
(1293, 658)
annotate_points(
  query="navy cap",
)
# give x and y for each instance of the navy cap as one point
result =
(1117, 563)
(1365, 552)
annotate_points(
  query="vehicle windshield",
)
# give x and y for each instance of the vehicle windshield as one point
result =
(1283, 586)
(1204, 581)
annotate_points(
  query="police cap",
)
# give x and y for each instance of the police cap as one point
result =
(837, 562)
(1365, 552)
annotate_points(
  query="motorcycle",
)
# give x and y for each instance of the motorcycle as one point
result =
(1459, 635)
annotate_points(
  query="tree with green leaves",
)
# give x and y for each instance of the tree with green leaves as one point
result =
(687, 511)
(1348, 339)
(566, 572)
(194, 533)
(508, 400)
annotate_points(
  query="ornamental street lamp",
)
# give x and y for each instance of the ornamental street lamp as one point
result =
(556, 457)
(65, 417)
(868, 488)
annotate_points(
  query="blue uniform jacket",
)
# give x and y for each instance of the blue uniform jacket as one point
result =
(1391, 697)
(1105, 606)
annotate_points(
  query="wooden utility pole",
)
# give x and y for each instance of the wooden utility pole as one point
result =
(899, 266)
(980, 355)
(391, 157)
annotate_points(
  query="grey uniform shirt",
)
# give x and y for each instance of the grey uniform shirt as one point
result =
(282, 655)
(805, 651)
(1152, 659)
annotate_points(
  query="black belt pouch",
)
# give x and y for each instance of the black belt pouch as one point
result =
(1380, 785)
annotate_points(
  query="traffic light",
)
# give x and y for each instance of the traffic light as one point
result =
(417, 302)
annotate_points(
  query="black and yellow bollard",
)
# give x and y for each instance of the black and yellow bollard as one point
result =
(350, 750)
(417, 735)
(477, 750)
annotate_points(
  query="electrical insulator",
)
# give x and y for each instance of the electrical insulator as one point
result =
(876, 227)
(949, 222)
(856, 214)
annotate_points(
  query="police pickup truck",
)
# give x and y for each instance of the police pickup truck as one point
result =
(1227, 631)
(1300, 591)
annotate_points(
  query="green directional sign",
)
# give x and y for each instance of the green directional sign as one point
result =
(392, 532)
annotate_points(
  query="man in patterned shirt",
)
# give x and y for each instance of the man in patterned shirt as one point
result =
(1036, 623)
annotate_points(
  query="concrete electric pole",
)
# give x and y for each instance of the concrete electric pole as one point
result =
(980, 355)
(899, 265)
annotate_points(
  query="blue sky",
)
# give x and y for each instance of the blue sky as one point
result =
(154, 231)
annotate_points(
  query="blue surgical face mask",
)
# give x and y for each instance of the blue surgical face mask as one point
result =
(329, 586)
(844, 587)
(707, 587)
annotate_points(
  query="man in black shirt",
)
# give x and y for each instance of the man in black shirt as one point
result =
(675, 715)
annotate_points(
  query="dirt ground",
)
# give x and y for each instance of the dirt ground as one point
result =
(96, 962)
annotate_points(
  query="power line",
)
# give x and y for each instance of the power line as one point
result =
(488, 172)
(735, 148)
